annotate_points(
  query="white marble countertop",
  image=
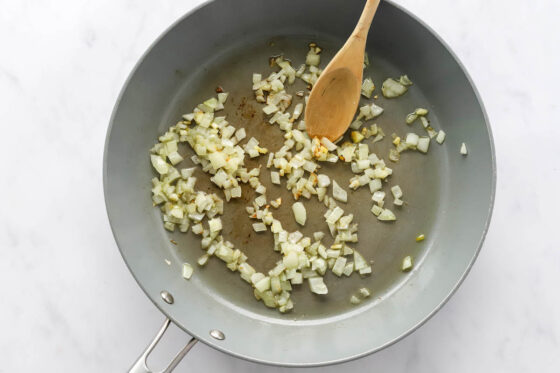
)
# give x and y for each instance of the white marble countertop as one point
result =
(70, 305)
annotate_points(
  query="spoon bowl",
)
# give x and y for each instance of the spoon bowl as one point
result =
(335, 96)
(338, 95)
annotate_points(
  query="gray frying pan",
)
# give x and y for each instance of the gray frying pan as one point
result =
(450, 197)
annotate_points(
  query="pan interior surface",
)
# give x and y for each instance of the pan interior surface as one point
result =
(384, 244)
(448, 196)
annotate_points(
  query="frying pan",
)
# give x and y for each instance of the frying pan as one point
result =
(449, 196)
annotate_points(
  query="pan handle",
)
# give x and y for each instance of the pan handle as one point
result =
(140, 364)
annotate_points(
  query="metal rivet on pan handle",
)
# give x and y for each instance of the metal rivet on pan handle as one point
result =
(216, 334)
(167, 297)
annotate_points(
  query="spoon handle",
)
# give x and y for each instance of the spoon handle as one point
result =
(362, 28)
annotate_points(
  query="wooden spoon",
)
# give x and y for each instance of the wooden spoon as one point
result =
(336, 94)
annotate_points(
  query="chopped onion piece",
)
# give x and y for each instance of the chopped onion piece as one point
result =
(359, 261)
(355, 300)
(159, 164)
(378, 197)
(394, 154)
(376, 210)
(318, 236)
(396, 191)
(375, 185)
(335, 215)
(365, 271)
(261, 189)
(420, 237)
(256, 277)
(339, 266)
(339, 193)
(356, 124)
(464, 149)
(187, 271)
(317, 285)
(440, 137)
(367, 87)
(323, 180)
(375, 110)
(423, 144)
(299, 213)
(328, 144)
(222, 97)
(236, 192)
(259, 227)
(404, 80)
(175, 158)
(391, 88)
(263, 285)
(365, 292)
(313, 59)
(240, 134)
(356, 136)
(407, 264)
(387, 215)
(348, 269)
(215, 225)
(260, 200)
(203, 260)
(275, 177)
(412, 140)
(269, 109)
(297, 111)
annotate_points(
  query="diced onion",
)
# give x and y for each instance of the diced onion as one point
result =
(464, 149)
(376, 210)
(412, 140)
(365, 271)
(440, 138)
(259, 227)
(378, 197)
(339, 266)
(423, 144)
(396, 191)
(356, 136)
(219, 153)
(159, 164)
(367, 87)
(275, 177)
(215, 225)
(407, 264)
(187, 271)
(386, 215)
(359, 261)
(317, 285)
(391, 88)
(339, 193)
(299, 213)
(323, 181)
(404, 80)
(328, 144)
(365, 292)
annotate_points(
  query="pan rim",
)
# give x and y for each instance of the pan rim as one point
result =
(208, 341)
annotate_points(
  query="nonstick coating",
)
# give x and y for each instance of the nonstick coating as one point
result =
(449, 197)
